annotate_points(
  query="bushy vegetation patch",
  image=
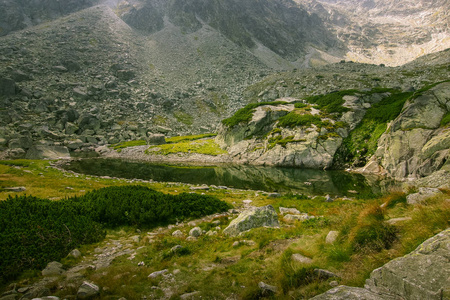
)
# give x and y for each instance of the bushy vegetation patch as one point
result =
(143, 207)
(446, 119)
(332, 102)
(35, 231)
(245, 114)
(294, 119)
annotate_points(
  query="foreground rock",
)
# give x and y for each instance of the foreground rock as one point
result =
(253, 218)
(422, 274)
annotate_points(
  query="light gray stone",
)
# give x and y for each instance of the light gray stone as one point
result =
(195, 232)
(422, 195)
(300, 258)
(266, 289)
(178, 233)
(53, 268)
(75, 253)
(88, 290)
(301, 217)
(158, 273)
(253, 218)
(292, 211)
(331, 237)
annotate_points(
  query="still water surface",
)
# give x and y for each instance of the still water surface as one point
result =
(269, 179)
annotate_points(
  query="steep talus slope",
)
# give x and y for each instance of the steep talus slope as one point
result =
(384, 31)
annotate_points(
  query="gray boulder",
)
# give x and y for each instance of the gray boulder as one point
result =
(88, 290)
(195, 232)
(422, 195)
(253, 218)
(47, 152)
(53, 268)
(422, 274)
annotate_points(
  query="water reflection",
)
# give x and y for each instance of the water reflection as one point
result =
(270, 179)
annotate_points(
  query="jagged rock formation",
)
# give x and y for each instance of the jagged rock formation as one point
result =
(422, 274)
(253, 218)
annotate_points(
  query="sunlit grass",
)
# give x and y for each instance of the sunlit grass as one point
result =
(203, 146)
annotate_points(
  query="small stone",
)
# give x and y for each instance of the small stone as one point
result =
(75, 253)
(334, 283)
(16, 189)
(193, 295)
(301, 217)
(328, 198)
(178, 233)
(331, 237)
(176, 248)
(267, 289)
(141, 264)
(300, 258)
(325, 274)
(158, 273)
(195, 232)
(247, 202)
(292, 211)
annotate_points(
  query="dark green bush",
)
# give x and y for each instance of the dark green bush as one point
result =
(332, 102)
(142, 206)
(36, 231)
(245, 114)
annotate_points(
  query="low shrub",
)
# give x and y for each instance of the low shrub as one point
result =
(332, 102)
(245, 114)
(294, 119)
(36, 231)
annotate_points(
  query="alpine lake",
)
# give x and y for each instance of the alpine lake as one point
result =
(247, 177)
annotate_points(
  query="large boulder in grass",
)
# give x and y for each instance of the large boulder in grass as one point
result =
(253, 218)
(422, 274)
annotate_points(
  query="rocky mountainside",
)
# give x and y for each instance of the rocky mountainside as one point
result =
(20, 14)
(384, 31)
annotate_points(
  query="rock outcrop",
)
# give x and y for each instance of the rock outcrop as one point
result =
(416, 144)
(253, 218)
(422, 274)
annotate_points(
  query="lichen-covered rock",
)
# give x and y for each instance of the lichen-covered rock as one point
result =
(422, 195)
(156, 139)
(53, 269)
(253, 218)
(87, 290)
(422, 274)
(195, 232)
(414, 145)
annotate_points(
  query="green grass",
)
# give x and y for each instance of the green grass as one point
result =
(245, 114)
(294, 119)
(332, 102)
(184, 138)
(445, 119)
(204, 146)
(119, 146)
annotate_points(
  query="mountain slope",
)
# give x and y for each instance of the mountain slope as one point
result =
(385, 31)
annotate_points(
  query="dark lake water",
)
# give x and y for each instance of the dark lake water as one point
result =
(269, 179)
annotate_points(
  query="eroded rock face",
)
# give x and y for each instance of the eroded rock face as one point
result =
(422, 274)
(253, 218)
(415, 144)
